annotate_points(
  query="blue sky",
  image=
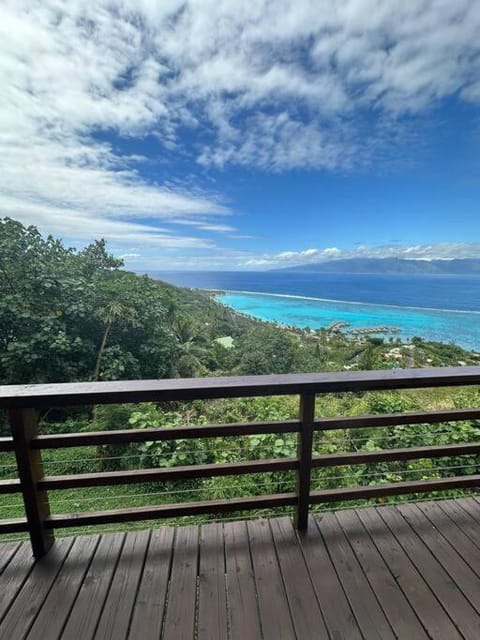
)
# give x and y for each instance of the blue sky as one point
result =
(220, 134)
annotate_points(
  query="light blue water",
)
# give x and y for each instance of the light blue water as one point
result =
(443, 308)
(461, 327)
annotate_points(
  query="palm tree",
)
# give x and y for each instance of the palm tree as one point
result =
(190, 348)
(114, 311)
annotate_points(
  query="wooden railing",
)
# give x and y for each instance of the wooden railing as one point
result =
(23, 403)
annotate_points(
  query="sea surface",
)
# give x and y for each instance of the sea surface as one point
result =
(435, 307)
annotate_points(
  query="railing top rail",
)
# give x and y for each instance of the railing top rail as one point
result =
(81, 393)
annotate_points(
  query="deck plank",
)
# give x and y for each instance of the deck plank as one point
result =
(471, 506)
(370, 617)
(400, 614)
(446, 555)
(462, 519)
(440, 582)
(88, 605)
(453, 533)
(28, 601)
(13, 577)
(52, 616)
(410, 580)
(7, 551)
(411, 571)
(212, 588)
(275, 615)
(336, 610)
(180, 615)
(149, 609)
(243, 615)
(117, 611)
(304, 608)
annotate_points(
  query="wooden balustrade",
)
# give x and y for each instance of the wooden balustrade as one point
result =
(23, 402)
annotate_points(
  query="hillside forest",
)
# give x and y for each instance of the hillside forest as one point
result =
(68, 315)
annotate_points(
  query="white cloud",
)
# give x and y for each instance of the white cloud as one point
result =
(438, 251)
(217, 258)
(60, 67)
(273, 85)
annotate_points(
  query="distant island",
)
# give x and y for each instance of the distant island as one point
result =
(463, 266)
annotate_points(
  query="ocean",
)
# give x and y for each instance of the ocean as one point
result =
(435, 307)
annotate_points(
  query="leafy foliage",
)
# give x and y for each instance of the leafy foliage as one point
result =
(68, 316)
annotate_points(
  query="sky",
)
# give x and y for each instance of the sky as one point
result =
(227, 134)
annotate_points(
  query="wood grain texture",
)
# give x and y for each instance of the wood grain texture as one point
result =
(85, 393)
(123, 436)
(14, 574)
(395, 489)
(370, 617)
(386, 455)
(462, 519)
(304, 455)
(88, 605)
(24, 427)
(114, 622)
(400, 614)
(243, 618)
(335, 607)
(136, 514)
(33, 592)
(275, 617)
(440, 582)
(182, 596)
(212, 593)
(459, 570)
(304, 608)
(8, 550)
(187, 472)
(450, 530)
(57, 605)
(149, 608)
(410, 572)
(409, 578)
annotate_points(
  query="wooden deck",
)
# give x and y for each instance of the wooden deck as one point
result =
(411, 571)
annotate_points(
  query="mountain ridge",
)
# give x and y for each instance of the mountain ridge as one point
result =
(455, 266)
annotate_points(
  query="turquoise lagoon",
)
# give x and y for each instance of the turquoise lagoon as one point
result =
(460, 327)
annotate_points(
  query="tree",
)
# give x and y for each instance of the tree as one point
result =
(266, 350)
(115, 311)
(191, 348)
(45, 304)
(66, 316)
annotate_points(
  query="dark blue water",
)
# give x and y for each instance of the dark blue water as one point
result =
(435, 292)
(441, 308)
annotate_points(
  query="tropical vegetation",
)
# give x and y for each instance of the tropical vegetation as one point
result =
(69, 315)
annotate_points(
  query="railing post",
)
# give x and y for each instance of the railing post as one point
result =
(304, 453)
(24, 426)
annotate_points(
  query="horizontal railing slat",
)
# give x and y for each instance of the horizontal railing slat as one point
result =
(32, 397)
(84, 393)
(10, 486)
(386, 455)
(96, 438)
(15, 525)
(6, 444)
(170, 511)
(124, 436)
(396, 419)
(164, 474)
(394, 488)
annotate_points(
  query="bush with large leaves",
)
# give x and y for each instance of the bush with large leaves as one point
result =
(67, 316)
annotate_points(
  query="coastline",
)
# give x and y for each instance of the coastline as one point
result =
(220, 292)
(432, 324)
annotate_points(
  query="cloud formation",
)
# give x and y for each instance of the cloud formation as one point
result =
(437, 251)
(272, 85)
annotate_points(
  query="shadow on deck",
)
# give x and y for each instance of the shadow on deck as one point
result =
(410, 571)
